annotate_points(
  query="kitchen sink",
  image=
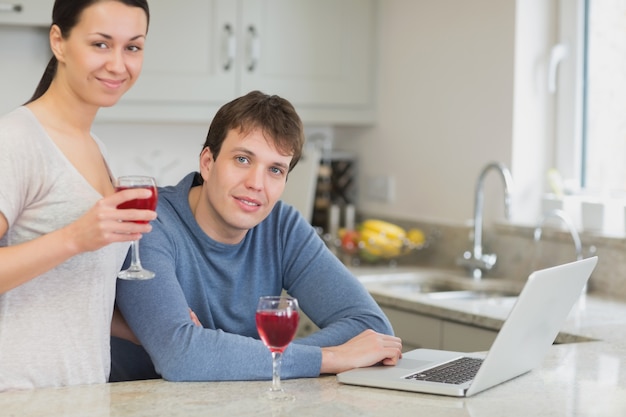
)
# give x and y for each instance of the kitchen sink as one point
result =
(439, 284)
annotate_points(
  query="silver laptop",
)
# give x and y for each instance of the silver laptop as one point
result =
(525, 337)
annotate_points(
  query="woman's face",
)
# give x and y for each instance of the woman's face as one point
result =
(103, 54)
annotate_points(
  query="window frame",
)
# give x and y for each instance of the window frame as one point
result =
(570, 91)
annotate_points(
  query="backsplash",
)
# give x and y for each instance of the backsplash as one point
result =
(165, 151)
(518, 254)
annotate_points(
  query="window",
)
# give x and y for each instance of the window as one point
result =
(589, 66)
(591, 95)
(604, 99)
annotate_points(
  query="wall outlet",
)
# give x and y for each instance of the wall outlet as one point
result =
(381, 188)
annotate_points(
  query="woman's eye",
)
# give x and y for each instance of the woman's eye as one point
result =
(100, 45)
(134, 48)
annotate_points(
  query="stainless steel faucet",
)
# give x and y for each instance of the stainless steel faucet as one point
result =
(476, 261)
(562, 216)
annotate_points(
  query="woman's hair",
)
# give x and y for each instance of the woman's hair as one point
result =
(65, 15)
(273, 115)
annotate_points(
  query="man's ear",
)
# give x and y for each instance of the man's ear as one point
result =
(206, 160)
(56, 43)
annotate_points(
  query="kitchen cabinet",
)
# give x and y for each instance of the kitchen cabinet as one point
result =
(306, 326)
(420, 331)
(26, 12)
(464, 338)
(200, 54)
(415, 330)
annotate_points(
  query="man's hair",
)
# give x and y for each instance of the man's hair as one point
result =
(273, 115)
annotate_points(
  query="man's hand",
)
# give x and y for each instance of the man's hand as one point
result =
(365, 349)
(194, 318)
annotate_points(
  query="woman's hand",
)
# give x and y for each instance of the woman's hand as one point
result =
(104, 223)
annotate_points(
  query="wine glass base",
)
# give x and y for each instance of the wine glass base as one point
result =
(136, 275)
(280, 396)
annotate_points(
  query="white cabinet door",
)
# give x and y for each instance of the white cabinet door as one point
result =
(315, 52)
(185, 61)
(419, 331)
(415, 330)
(26, 12)
(465, 338)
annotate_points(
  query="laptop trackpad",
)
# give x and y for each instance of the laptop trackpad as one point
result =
(412, 363)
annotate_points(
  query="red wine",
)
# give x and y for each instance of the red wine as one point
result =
(277, 328)
(149, 203)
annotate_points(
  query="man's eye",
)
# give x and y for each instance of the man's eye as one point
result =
(277, 171)
(242, 159)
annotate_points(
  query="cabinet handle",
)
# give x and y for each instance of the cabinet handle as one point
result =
(228, 47)
(10, 8)
(254, 48)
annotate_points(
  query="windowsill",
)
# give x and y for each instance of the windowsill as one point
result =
(588, 237)
(591, 215)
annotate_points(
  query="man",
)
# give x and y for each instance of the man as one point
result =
(221, 240)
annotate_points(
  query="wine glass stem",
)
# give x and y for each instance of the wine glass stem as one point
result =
(276, 362)
(135, 262)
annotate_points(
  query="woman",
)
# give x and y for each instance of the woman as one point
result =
(62, 238)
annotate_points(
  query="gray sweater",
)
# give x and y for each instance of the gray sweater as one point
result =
(221, 283)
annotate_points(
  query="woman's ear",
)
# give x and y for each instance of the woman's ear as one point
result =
(56, 42)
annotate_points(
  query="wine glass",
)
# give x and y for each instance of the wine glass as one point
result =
(135, 271)
(277, 322)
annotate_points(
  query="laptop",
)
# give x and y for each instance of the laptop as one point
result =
(520, 346)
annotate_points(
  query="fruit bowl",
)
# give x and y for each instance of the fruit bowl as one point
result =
(377, 240)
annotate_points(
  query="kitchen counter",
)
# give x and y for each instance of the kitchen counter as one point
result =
(575, 379)
(583, 379)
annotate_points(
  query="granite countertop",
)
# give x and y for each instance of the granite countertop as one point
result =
(575, 379)
(583, 379)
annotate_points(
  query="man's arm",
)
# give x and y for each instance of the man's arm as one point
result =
(328, 293)
(354, 331)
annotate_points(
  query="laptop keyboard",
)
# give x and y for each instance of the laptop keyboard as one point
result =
(457, 371)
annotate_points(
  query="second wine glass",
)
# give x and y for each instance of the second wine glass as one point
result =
(277, 322)
(135, 271)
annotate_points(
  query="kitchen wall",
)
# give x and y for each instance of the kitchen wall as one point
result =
(460, 84)
(24, 54)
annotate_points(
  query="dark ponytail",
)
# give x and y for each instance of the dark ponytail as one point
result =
(66, 14)
(46, 79)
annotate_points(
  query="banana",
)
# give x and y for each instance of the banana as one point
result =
(384, 228)
(416, 237)
(381, 239)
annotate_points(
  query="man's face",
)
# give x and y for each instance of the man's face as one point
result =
(241, 186)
